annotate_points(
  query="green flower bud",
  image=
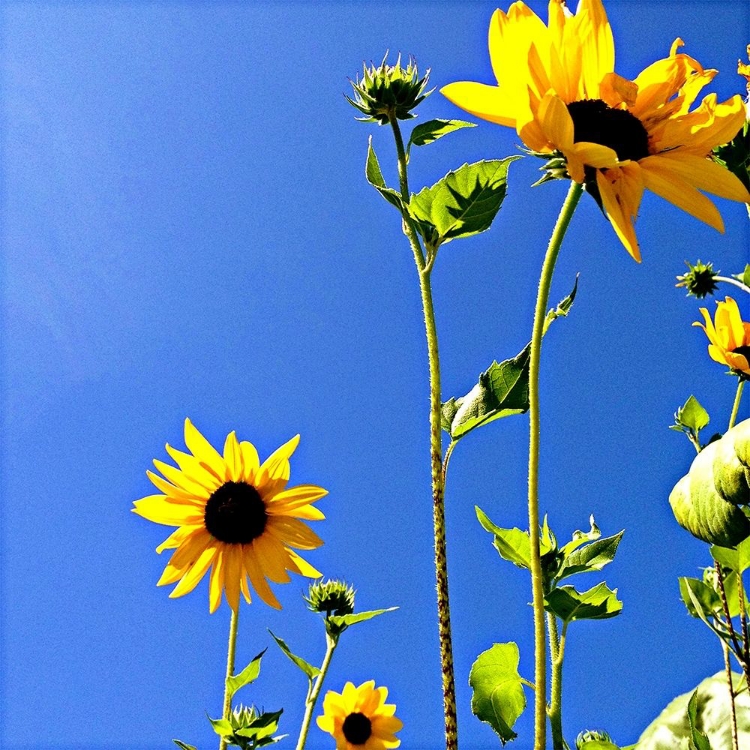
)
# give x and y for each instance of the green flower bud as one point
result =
(592, 735)
(387, 91)
(331, 598)
(700, 280)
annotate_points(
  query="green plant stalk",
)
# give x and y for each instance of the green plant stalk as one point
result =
(557, 654)
(314, 691)
(736, 405)
(424, 269)
(231, 650)
(732, 706)
(737, 649)
(545, 281)
(734, 282)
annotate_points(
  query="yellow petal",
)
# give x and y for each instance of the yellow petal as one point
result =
(202, 449)
(292, 532)
(195, 574)
(298, 565)
(250, 461)
(275, 468)
(216, 583)
(619, 212)
(160, 509)
(233, 458)
(233, 573)
(183, 481)
(256, 577)
(189, 464)
(480, 100)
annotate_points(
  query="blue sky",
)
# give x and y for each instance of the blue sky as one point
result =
(187, 231)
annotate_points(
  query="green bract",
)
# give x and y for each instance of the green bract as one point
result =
(706, 500)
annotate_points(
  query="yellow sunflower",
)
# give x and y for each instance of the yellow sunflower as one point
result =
(235, 515)
(729, 336)
(557, 87)
(359, 718)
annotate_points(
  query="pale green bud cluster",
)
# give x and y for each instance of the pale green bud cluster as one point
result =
(331, 597)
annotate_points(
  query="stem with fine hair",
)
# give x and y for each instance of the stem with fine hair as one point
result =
(540, 310)
(736, 405)
(424, 268)
(314, 692)
(557, 655)
(732, 706)
(230, 670)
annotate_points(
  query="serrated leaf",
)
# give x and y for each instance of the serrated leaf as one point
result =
(464, 202)
(562, 309)
(581, 537)
(598, 603)
(305, 666)
(353, 619)
(692, 415)
(222, 727)
(698, 739)
(246, 676)
(593, 556)
(431, 130)
(184, 745)
(498, 697)
(700, 600)
(375, 178)
(514, 545)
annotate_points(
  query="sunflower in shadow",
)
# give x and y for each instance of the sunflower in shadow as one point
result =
(359, 718)
(235, 516)
(557, 87)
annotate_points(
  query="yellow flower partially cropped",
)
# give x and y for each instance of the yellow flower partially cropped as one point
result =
(359, 718)
(235, 516)
(557, 87)
(729, 336)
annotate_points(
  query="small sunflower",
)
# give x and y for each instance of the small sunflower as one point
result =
(729, 336)
(557, 87)
(235, 515)
(359, 718)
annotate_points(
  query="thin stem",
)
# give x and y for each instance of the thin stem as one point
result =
(540, 655)
(557, 653)
(436, 460)
(743, 618)
(447, 458)
(736, 405)
(733, 708)
(313, 694)
(733, 636)
(734, 282)
(230, 670)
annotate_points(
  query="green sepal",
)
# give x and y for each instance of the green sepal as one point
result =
(598, 603)
(246, 676)
(700, 599)
(593, 556)
(262, 728)
(184, 745)
(464, 202)
(431, 130)
(698, 739)
(514, 545)
(311, 671)
(375, 177)
(498, 697)
(341, 622)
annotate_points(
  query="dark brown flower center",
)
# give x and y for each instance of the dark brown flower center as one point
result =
(357, 728)
(743, 350)
(623, 132)
(235, 513)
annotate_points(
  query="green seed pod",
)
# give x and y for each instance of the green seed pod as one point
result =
(706, 500)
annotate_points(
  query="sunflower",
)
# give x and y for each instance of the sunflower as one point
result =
(557, 87)
(235, 515)
(360, 718)
(729, 336)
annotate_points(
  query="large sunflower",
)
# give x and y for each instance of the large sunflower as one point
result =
(557, 87)
(359, 718)
(235, 515)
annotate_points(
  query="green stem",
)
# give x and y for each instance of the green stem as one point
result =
(736, 405)
(734, 282)
(732, 705)
(230, 670)
(436, 458)
(540, 656)
(312, 698)
(557, 654)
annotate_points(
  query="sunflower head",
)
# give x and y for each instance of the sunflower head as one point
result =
(700, 279)
(331, 598)
(729, 337)
(359, 718)
(592, 735)
(387, 91)
(235, 516)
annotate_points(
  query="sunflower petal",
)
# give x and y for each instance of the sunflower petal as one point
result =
(192, 577)
(160, 509)
(255, 574)
(202, 449)
(483, 101)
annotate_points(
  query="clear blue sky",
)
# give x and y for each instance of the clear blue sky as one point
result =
(186, 231)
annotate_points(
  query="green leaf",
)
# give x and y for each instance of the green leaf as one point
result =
(598, 603)
(184, 745)
(376, 179)
(305, 666)
(264, 726)
(464, 202)
(222, 727)
(581, 537)
(514, 545)
(498, 696)
(431, 130)
(593, 556)
(562, 309)
(344, 621)
(698, 739)
(246, 676)
(597, 745)
(700, 599)
(744, 277)
(692, 415)
(737, 559)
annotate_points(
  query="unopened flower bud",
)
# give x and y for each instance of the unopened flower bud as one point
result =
(700, 280)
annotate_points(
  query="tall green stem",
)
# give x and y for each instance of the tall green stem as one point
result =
(230, 670)
(540, 656)
(736, 405)
(312, 697)
(436, 458)
(557, 654)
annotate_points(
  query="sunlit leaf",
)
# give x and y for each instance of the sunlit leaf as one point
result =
(692, 415)
(431, 130)
(699, 598)
(698, 739)
(581, 537)
(305, 666)
(598, 603)
(184, 745)
(344, 621)
(592, 556)
(246, 676)
(375, 178)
